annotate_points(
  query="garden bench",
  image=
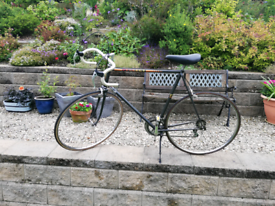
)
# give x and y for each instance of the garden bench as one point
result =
(157, 85)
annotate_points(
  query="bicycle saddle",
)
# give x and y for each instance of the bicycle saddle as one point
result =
(184, 59)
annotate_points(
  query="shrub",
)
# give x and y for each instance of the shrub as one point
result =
(70, 47)
(72, 27)
(22, 24)
(16, 18)
(126, 62)
(46, 54)
(152, 57)
(178, 32)
(45, 10)
(22, 3)
(120, 42)
(7, 45)
(269, 9)
(148, 27)
(227, 7)
(48, 30)
(93, 22)
(251, 9)
(240, 47)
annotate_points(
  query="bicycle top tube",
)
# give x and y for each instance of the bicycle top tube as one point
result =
(149, 70)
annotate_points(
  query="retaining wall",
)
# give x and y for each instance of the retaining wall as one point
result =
(131, 85)
(42, 173)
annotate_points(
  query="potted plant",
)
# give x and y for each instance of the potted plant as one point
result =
(44, 103)
(268, 95)
(65, 98)
(21, 100)
(81, 111)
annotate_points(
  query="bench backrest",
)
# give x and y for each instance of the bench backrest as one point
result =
(198, 79)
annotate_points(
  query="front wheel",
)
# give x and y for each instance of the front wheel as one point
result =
(216, 125)
(85, 132)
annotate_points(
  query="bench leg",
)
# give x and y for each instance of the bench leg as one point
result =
(223, 105)
(161, 135)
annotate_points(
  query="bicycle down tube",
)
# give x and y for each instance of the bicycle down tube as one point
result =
(180, 73)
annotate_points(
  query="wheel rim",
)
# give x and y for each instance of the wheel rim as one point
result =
(84, 135)
(200, 141)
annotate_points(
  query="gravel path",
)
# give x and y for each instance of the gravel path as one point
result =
(255, 135)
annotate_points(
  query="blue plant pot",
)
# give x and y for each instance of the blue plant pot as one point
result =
(44, 105)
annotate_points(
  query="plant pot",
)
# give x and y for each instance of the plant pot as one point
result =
(18, 107)
(44, 105)
(108, 106)
(269, 108)
(63, 101)
(79, 116)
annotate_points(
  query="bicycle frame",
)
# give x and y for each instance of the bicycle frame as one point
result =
(181, 74)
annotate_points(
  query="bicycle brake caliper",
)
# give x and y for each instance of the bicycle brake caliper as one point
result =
(157, 124)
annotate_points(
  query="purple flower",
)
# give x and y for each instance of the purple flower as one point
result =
(113, 10)
(90, 20)
(87, 105)
(108, 12)
(73, 41)
(112, 44)
(64, 32)
(121, 20)
(119, 26)
(118, 9)
(79, 2)
(84, 19)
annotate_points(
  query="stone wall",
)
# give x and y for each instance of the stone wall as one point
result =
(247, 93)
(42, 173)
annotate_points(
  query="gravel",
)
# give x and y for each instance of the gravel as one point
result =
(255, 135)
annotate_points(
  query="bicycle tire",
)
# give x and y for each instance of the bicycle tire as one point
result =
(82, 136)
(208, 134)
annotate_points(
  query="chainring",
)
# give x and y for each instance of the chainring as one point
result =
(149, 129)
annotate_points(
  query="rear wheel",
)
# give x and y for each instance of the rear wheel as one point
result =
(100, 124)
(213, 131)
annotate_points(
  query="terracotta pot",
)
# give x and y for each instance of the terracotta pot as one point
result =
(269, 108)
(79, 116)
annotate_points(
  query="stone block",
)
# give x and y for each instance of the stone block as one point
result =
(163, 199)
(16, 204)
(249, 86)
(52, 175)
(116, 197)
(218, 164)
(131, 82)
(28, 152)
(258, 165)
(1, 191)
(244, 188)
(62, 157)
(11, 172)
(172, 160)
(60, 195)
(251, 110)
(145, 181)
(30, 193)
(255, 202)
(242, 98)
(117, 157)
(272, 190)
(191, 184)
(25, 78)
(256, 100)
(127, 93)
(215, 201)
(5, 78)
(94, 178)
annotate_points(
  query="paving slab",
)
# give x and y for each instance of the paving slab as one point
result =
(219, 164)
(172, 160)
(28, 152)
(258, 165)
(118, 157)
(5, 144)
(62, 157)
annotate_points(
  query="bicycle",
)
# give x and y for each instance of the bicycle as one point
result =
(198, 123)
